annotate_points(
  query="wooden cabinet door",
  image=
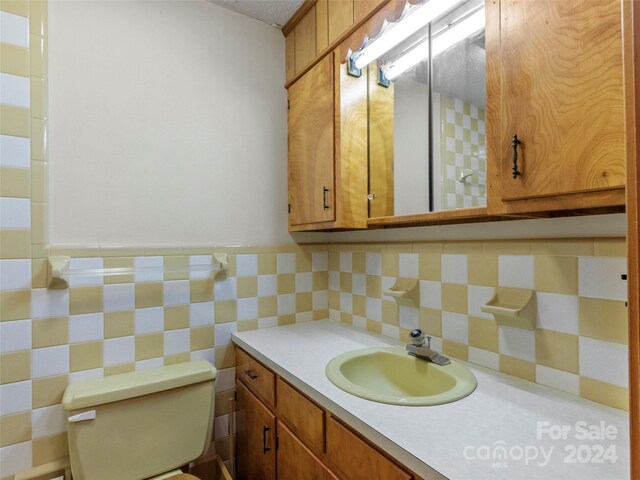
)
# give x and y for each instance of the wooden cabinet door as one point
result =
(562, 94)
(295, 461)
(256, 445)
(311, 145)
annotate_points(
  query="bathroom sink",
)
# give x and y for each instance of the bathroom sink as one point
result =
(391, 375)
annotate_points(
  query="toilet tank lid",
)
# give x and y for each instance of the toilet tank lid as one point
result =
(99, 391)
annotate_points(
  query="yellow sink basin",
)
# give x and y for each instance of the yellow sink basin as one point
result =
(391, 375)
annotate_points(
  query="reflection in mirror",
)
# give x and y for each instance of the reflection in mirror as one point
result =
(427, 127)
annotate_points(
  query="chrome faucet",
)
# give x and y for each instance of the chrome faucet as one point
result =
(418, 349)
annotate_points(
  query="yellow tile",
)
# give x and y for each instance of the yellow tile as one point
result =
(390, 313)
(50, 448)
(149, 346)
(247, 287)
(39, 223)
(374, 327)
(38, 100)
(334, 262)
(37, 49)
(119, 324)
(454, 298)
(85, 356)
(225, 311)
(557, 274)
(286, 320)
(286, 283)
(201, 290)
(462, 247)
(15, 243)
(483, 333)
(15, 428)
(176, 316)
(320, 281)
(17, 7)
(431, 321)
(38, 17)
(149, 294)
(390, 264)
(601, 392)
(507, 247)
(455, 349)
(604, 319)
(120, 251)
(303, 262)
(14, 121)
(179, 263)
(360, 305)
(15, 366)
(85, 300)
(374, 286)
(177, 358)
(428, 248)
(483, 270)
(610, 247)
(303, 302)
(225, 358)
(202, 337)
(334, 300)
(430, 265)
(48, 390)
(15, 60)
(346, 282)
(267, 264)
(346, 318)
(38, 273)
(320, 314)
(359, 263)
(557, 350)
(518, 367)
(38, 144)
(118, 369)
(48, 332)
(232, 269)
(247, 325)
(222, 400)
(76, 252)
(42, 252)
(119, 262)
(569, 247)
(15, 182)
(267, 306)
(15, 305)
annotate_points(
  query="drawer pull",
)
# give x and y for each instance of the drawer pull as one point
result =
(265, 449)
(250, 374)
(325, 203)
(515, 141)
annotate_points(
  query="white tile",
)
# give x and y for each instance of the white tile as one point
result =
(454, 268)
(176, 292)
(149, 320)
(565, 381)
(286, 262)
(207, 354)
(247, 265)
(15, 458)
(604, 361)
(48, 421)
(149, 269)
(14, 29)
(359, 322)
(374, 263)
(15, 274)
(518, 343)
(386, 283)
(374, 309)
(267, 322)
(221, 427)
(200, 260)
(431, 294)
(409, 317)
(85, 264)
(223, 333)
(267, 285)
(455, 327)
(334, 315)
(247, 308)
(15, 152)
(225, 289)
(15, 212)
(49, 303)
(436, 344)
(359, 284)
(320, 262)
(86, 327)
(15, 397)
(177, 341)
(304, 282)
(334, 281)
(346, 302)
(14, 90)
(49, 361)
(286, 304)
(600, 277)
(557, 312)
(119, 297)
(477, 296)
(346, 262)
(15, 335)
(390, 331)
(119, 350)
(83, 375)
(320, 300)
(201, 314)
(408, 265)
(303, 317)
(516, 271)
(226, 379)
(484, 358)
(149, 363)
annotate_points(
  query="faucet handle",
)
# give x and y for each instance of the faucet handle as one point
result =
(417, 337)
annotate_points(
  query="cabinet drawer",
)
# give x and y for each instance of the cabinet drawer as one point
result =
(295, 461)
(258, 378)
(353, 459)
(304, 417)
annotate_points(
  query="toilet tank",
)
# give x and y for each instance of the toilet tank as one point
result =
(140, 424)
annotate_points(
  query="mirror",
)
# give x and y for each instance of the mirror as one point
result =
(427, 101)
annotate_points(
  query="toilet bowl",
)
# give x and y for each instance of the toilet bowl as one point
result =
(140, 425)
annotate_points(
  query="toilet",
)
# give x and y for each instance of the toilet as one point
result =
(140, 425)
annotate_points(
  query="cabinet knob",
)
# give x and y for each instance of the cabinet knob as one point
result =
(515, 141)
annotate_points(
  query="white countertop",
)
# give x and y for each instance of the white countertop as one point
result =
(450, 440)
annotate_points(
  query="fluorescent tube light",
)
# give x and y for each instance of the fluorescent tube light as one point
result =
(402, 30)
(467, 27)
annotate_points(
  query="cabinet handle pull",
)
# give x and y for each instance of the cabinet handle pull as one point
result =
(265, 449)
(325, 203)
(515, 141)
(250, 374)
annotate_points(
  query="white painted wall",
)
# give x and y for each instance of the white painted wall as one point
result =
(167, 125)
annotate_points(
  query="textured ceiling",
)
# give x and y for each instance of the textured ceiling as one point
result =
(273, 12)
